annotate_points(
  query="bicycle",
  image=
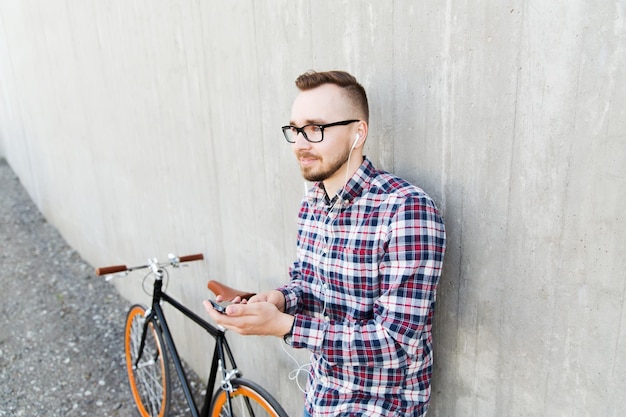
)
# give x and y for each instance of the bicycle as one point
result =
(148, 343)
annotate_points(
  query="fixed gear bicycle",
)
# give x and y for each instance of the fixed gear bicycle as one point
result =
(148, 344)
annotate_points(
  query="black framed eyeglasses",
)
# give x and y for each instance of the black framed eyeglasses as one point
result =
(312, 132)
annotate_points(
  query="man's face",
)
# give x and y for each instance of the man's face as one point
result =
(325, 104)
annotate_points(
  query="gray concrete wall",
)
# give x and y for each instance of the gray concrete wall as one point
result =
(147, 127)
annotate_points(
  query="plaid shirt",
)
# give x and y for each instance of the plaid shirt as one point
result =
(362, 291)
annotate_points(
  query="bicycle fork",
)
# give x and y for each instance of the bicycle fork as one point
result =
(147, 318)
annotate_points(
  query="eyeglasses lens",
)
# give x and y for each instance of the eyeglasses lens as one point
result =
(312, 133)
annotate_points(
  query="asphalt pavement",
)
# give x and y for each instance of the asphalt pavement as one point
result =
(61, 326)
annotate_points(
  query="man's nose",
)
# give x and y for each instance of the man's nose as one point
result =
(300, 141)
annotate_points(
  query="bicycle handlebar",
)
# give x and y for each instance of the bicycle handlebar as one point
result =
(174, 261)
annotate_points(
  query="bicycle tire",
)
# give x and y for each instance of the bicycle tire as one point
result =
(246, 393)
(150, 380)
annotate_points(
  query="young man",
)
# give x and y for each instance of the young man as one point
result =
(370, 250)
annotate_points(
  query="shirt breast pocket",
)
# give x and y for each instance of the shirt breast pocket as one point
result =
(359, 268)
(358, 257)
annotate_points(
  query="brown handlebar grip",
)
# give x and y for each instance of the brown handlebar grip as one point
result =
(189, 258)
(110, 269)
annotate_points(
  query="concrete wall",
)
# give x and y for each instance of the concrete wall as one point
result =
(147, 127)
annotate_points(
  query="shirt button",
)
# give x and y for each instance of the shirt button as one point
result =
(324, 380)
(325, 250)
(326, 318)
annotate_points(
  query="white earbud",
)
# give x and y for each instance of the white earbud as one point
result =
(356, 139)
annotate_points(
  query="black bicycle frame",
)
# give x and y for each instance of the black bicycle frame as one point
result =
(220, 353)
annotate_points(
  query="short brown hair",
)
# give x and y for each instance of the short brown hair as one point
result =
(351, 86)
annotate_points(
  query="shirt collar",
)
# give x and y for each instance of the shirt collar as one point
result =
(354, 188)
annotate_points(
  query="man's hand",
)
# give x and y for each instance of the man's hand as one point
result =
(259, 316)
(274, 297)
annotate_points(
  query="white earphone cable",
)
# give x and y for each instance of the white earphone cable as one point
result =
(295, 373)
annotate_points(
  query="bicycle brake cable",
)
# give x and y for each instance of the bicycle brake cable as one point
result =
(165, 278)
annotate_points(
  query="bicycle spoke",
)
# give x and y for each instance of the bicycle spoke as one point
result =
(151, 379)
(147, 373)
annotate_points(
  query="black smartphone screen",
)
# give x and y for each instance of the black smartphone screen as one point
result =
(218, 307)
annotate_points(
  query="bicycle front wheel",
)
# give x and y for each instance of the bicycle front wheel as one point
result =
(248, 399)
(149, 374)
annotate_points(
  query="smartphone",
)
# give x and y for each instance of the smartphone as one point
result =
(218, 307)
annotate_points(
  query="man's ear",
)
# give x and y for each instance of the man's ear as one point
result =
(361, 134)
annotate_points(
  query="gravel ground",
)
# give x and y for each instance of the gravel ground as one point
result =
(61, 337)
